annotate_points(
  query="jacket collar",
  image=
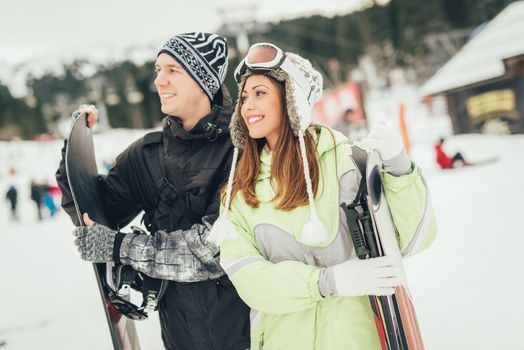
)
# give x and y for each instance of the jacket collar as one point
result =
(211, 126)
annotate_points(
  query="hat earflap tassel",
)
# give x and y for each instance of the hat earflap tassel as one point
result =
(314, 231)
(223, 229)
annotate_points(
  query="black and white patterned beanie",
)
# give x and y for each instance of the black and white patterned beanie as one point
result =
(203, 56)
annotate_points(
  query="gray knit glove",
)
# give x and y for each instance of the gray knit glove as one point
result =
(95, 243)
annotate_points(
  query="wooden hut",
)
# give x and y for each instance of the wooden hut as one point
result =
(484, 82)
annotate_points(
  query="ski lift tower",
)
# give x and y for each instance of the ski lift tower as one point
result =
(240, 21)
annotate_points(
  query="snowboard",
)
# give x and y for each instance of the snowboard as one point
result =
(484, 161)
(395, 316)
(82, 175)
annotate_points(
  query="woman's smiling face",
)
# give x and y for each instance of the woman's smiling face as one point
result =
(261, 108)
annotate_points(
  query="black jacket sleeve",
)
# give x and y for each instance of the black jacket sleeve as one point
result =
(67, 199)
(120, 204)
(118, 192)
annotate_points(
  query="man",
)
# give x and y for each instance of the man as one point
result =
(200, 308)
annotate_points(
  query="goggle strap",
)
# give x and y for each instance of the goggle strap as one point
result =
(239, 70)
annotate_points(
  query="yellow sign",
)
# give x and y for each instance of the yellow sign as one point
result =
(489, 103)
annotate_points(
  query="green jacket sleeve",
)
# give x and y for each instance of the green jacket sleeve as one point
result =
(410, 205)
(280, 288)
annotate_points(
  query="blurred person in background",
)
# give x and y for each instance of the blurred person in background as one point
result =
(200, 308)
(37, 195)
(12, 197)
(445, 161)
(48, 200)
(55, 194)
(351, 126)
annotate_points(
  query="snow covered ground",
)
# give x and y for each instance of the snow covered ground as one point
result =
(467, 287)
(50, 296)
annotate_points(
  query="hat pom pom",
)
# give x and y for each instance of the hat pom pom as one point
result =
(222, 230)
(314, 232)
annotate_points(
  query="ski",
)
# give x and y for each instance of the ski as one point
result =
(406, 321)
(82, 176)
(373, 234)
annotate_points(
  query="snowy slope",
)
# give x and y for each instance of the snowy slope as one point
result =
(466, 287)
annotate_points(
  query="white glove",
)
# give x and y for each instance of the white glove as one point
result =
(376, 276)
(386, 140)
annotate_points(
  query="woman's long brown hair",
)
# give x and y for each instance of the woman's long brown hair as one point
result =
(287, 171)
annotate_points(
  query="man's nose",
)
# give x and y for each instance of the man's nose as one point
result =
(160, 80)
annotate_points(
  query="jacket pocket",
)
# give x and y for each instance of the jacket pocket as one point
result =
(199, 190)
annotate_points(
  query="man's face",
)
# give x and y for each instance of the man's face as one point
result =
(178, 92)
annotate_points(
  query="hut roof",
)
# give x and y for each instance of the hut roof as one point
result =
(482, 58)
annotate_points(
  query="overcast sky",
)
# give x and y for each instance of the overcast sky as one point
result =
(68, 28)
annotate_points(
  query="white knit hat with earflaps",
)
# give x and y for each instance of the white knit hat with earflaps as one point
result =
(299, 109)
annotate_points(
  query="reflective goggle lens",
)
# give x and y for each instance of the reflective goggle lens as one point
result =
(261, 54)
(260, 57)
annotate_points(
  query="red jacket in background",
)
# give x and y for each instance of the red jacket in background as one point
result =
(443, 160)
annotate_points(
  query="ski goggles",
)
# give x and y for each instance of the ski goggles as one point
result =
(265, 57)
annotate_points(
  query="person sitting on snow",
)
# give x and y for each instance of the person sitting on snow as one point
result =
(445, 161)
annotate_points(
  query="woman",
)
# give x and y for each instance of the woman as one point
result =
(283, 240)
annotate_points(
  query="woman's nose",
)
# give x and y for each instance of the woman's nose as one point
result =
(248, 105)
